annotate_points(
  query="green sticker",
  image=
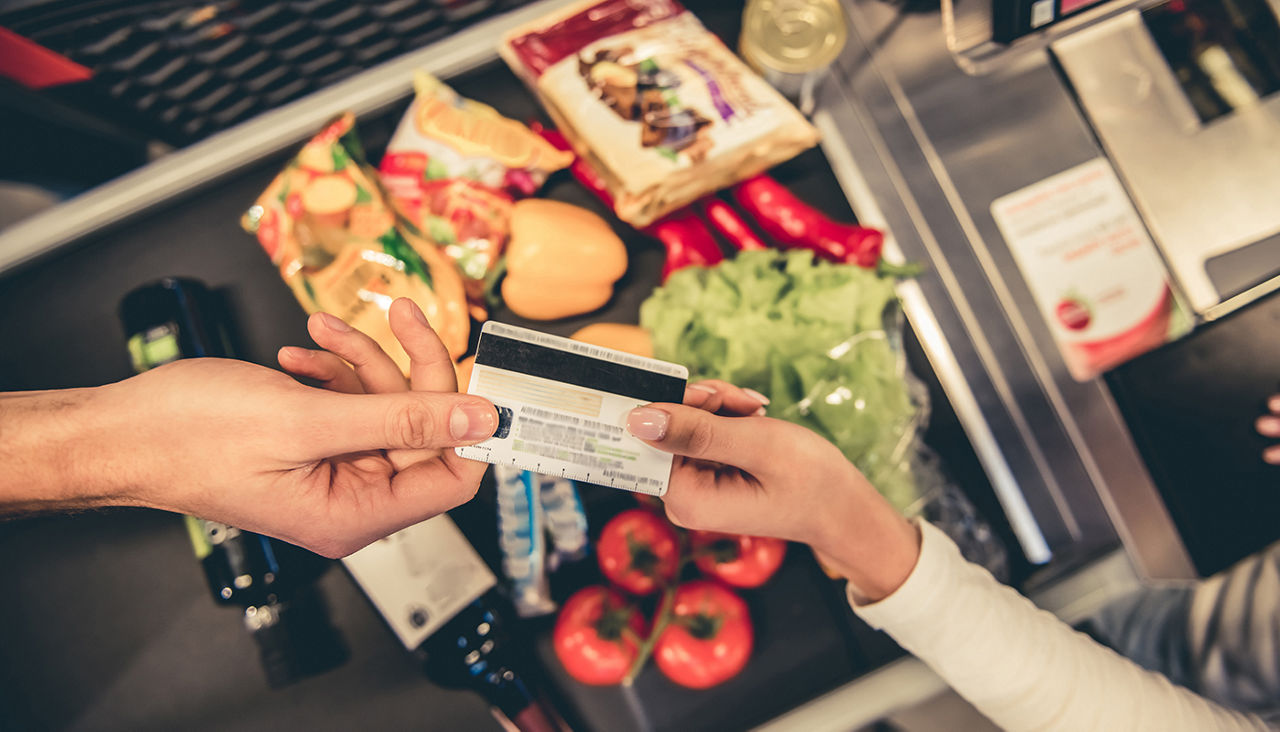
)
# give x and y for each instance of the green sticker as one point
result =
(199, 542)
(440, 231)
(435, 170)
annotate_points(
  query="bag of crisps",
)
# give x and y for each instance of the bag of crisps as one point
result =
(328, 226)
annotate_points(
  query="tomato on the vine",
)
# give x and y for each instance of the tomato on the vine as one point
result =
(598, 635)
(638, 551)
(735, 559)
(709, 637)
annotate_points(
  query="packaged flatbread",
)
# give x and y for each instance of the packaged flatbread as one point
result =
(654, 102)
(326, 223)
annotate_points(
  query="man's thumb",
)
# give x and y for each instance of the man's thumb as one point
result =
(406, 420)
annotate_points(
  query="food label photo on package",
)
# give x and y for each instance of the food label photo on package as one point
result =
(564, 406)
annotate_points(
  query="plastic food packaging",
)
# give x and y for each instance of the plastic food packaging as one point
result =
(823, 342)
(326, 223)
(452, 167)
(655, 103)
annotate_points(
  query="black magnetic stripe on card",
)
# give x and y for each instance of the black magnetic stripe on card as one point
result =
(573, 368)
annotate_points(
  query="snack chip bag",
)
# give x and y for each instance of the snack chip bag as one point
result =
(451, 168)
(444, 135)
(327, 225)
(654, 102)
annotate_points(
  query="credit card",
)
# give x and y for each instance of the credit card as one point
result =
(563, 405)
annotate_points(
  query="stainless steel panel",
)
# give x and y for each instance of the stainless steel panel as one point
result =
(936, 146)
(1203, 188)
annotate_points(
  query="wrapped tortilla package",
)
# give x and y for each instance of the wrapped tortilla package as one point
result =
(452, 167)
(329, 227)
(662, 110)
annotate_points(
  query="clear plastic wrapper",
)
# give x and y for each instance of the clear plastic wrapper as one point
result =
(654, 102)
(329, 228)
(823, 342)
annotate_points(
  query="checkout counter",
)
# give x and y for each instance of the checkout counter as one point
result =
(928, 116)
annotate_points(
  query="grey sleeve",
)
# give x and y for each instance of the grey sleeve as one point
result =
(1219, 638)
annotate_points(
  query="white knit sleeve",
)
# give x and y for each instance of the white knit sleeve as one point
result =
(1021, 666)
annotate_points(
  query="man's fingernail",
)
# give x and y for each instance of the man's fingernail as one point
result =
(296, 352)
(758, 413)
(473, 421)
(419, 315)
(333, 322)
(1269, 426)
(703, 387)
(1272, 455)
(1274, 403)
(756, 395)
(647, 423)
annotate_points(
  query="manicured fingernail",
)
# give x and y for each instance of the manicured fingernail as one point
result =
(703, 387)
(1272, 455)
(472, 421)
(647, 423)
(756, 395)
(1269, 426)
(332, 322)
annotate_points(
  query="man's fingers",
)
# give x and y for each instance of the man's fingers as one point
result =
(430, 367)
(697, 434)
(332, 372)
(337, 424)
(373, 366)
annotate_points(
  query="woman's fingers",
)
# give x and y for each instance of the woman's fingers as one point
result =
(377, 372)
(430, 367)
(332, 372)
(694, 433)
(721, 397)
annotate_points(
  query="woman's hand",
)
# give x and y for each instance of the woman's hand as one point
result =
(767, 477)
(251, 447)
(1269, 426)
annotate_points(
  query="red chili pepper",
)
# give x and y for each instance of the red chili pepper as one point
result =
(688, 241)
(795, 223)
(730, 225)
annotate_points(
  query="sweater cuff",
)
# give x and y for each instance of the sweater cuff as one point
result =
(937, 568)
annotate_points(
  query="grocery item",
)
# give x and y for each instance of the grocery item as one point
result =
(730, 225)
(810, 335)
(709, 637)
(1096, 276)
(441, 601)
(444, 135)
(792, 43)
(597, 636)
(327, 225)
(618, 336)
(797, 225)
(653, 102)
(562, 260)
(522, 538)
(638, 551)
(688, 241)
(269, 581)
(735, 559)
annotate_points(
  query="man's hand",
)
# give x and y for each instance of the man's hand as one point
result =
(767, 477)
(248, 446)
(1269, 426)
